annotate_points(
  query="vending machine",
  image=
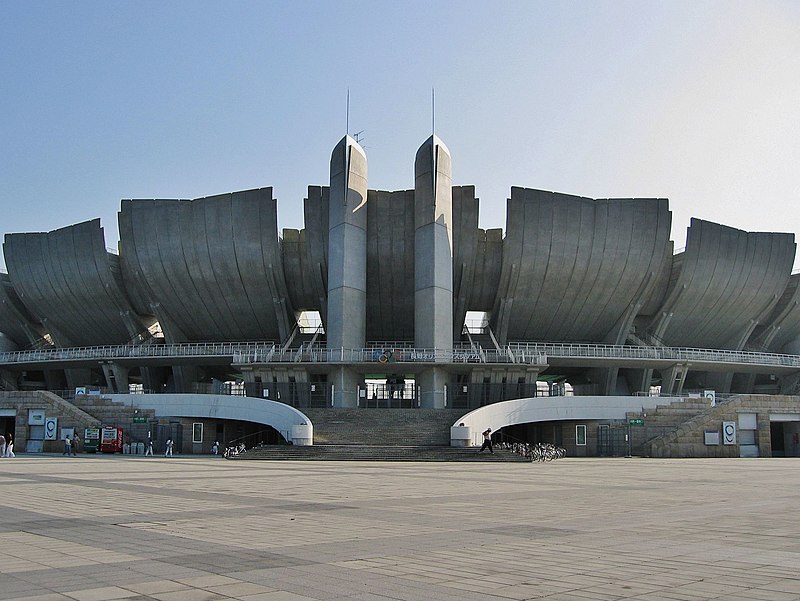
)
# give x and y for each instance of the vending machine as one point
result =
(91, 440)
(111, 440)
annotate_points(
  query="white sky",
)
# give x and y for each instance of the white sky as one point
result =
(698, 102)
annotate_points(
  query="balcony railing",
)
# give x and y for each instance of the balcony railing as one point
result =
(244, 353)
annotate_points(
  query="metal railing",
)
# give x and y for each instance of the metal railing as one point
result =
(537, 353)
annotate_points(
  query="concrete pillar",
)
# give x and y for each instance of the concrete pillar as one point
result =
(347, 261)
(116, 377)
(433, 264)
(673, 378)
(431, 385)
(433, 246)
(346, 383)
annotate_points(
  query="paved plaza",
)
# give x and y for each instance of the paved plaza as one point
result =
(196, 529)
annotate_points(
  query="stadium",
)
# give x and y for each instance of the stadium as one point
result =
(570, 326)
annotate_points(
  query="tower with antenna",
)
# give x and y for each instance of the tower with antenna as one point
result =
(433, 261)
(347, 260)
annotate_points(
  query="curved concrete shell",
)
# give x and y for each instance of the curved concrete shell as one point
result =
(209, 269)
(576, 268)
(724, 285)
(782, 327)
(305, 255)
(72, 284)
(477, 256)
(18, 327)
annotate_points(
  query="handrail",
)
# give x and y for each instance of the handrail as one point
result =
(534, 353)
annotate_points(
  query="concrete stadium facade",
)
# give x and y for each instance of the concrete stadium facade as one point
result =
(394, 276)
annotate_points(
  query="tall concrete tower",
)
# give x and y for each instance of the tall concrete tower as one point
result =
(433, 263)
(347, 262)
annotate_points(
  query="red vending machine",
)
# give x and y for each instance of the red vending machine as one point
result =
(111, 440)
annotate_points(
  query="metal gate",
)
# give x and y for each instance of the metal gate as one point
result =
(611, 440)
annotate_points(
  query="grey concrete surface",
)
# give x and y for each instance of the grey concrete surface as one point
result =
(725, 284)
(67, 280)
(97, 528)
(209, 268)
(589, 267)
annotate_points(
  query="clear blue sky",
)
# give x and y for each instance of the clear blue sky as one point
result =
(698, 102)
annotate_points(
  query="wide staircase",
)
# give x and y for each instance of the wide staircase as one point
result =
(380, 435)
(135, 422)
(662, 420)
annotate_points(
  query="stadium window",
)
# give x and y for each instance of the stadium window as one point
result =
(197, 432)
(580, 435)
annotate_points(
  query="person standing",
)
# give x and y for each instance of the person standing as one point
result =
(168, 452)
(9, 446)
(487, 441)
(2, 446)
(67, 446)
(75, 441)
(215, 448)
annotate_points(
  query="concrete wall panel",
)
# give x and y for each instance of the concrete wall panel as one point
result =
(390, 266)
(17, 324)
(214, 269)
(728, 283)
(65, 278)
(576, 268)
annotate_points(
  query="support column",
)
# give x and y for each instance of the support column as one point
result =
(673, 378)
(433, 264)
(116, 377)
(347, 262)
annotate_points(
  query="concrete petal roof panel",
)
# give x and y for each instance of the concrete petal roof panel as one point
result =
(574, 267)
(65, 278)
(16, 322)
(729, 282)
(214, 270)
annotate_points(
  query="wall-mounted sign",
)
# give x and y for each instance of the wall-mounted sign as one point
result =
(50, 428)
(35, 417)
(728, 432)
(710, 396)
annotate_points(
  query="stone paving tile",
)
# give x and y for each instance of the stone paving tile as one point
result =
(200, 529)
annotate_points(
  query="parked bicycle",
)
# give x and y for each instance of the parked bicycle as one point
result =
(542, 451)
(234, 450)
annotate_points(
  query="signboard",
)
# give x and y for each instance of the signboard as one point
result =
(50, 428)
(636, 422)
(35, 417)
(139, 419)
(710, 396)
(728, 432)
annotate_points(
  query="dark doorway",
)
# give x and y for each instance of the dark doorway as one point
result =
(776, 433)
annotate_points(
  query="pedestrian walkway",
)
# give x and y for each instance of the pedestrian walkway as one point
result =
(96, 528)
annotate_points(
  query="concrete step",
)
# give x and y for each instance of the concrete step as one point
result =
(376, 453)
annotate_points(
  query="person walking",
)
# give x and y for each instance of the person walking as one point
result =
(215, 448)
(149, 450)
(168, 452)
(9, 446)
(67, 446)
(487, 441)
(75, 441)
(2, 446)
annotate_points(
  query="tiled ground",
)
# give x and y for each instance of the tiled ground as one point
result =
(97, 528)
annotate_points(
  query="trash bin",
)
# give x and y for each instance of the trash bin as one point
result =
(126, 449)
(140, 448)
